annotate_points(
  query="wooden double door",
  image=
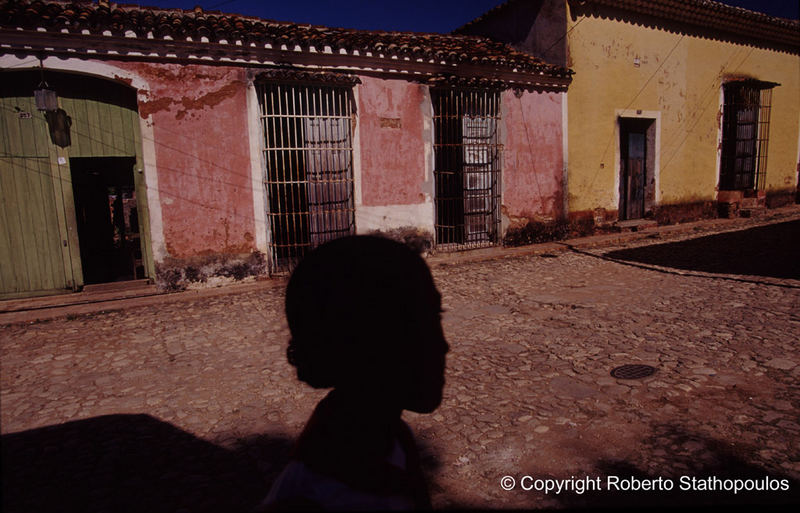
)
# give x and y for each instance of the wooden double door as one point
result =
(73, 206)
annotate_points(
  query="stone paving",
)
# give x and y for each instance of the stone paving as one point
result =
(529, 391)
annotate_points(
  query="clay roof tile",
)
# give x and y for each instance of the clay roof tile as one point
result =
(197, 23)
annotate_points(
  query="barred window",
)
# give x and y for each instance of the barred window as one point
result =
(309, 172)
(745, 134)
(467, 167)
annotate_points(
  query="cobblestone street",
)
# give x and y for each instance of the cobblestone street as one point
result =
(529, 391)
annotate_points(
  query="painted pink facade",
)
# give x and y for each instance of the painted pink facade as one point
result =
(200, 115)
(199, 118)
(393, 148)
(200, 126)
(392, 145)
(533, 163)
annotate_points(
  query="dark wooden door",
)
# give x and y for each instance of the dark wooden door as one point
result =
(633, 171)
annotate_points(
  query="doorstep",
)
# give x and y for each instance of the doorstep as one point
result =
(636, 225)
(90, 294)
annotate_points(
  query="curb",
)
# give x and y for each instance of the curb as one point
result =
(699, 228)
(88, 307)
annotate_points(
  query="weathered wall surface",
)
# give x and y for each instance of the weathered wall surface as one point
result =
(197, 124)
(679, 77)
(533, 155)
(199, 119)
(396, 187)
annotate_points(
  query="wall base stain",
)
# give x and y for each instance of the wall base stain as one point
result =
(514, 222)
(175, 274)
(537, 231)
(601, 217)
(782, 197)
(685, 212)
(420, 241)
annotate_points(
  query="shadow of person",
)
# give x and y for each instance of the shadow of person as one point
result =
(771, 251)
(364, 316)
(131, 463)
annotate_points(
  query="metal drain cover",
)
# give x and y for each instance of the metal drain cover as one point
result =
(633, 371)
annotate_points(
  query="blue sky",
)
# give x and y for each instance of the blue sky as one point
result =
(405, 15)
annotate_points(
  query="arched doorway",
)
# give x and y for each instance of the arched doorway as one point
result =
(74, 203)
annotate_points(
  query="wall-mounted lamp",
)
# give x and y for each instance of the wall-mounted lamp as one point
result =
(58, 121)
(46, 98)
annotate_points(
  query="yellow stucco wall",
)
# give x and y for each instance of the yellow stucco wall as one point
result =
(678, 80)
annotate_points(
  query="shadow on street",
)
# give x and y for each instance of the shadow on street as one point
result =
(133, 463)
(138, 463)
(769, 251)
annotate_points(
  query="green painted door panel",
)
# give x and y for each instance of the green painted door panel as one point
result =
(39, 243)
(99, 129)
(31, 242)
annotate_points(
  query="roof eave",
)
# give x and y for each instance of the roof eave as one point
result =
(715, 16)
(110, 47)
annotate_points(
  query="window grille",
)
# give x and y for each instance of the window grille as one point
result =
(467, 167)
(309, 172)
(745, 134)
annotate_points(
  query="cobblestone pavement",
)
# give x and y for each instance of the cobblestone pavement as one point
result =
(529, 391)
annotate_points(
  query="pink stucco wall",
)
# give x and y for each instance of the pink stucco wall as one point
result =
(199, 117)
(200, 128)
(533, 154)
(392, 146)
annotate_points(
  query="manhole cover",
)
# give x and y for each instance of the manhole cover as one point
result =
(632, 371)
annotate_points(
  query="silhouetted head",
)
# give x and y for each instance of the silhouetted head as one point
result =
(364, 312)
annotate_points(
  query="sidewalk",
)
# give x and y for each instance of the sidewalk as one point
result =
(14, 311)
(660, 233)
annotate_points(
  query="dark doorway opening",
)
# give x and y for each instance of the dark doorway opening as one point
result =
(636, 173)
(107, 218)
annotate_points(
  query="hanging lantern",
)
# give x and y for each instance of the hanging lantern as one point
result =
(46, 99)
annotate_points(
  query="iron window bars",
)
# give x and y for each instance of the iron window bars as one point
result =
(309, 167)
(745, 134)
(467, 167)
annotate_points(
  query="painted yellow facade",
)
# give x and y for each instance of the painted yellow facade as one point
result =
(632, 67)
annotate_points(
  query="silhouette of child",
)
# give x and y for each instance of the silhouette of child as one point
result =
(364, 316)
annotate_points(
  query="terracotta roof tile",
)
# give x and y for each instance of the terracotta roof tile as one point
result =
(195, 25)
(706, 14)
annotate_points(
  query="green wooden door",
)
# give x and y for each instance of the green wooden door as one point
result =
(39, 245)
(109, 127)
(34, 249)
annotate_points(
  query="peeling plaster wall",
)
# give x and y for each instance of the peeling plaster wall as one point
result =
(678, 76)
(199, 119)
(396, 187)
(533, 155)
